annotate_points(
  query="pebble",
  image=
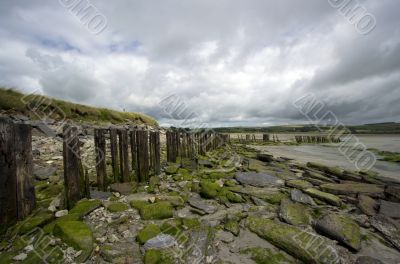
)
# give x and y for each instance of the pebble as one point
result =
(61, 213)
(29, 248)
(20, 257)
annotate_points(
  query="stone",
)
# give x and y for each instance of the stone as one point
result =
(85, 207)
(296, 241)
(299, 184)
(172, 169)
(300, 197)
(295, 213)
(270, 195)
(389, 209)
(61, 213)
(43, 174)
(20, 257)
(340, 228)
(200, 204)
(39, 219)
(318, 176)
(116, 207)
(147, 233)
(367, 205)
(77, 235)
(123, 188)
(393, 192)
(388, 228)
(225, 237)
(367, 260)
(372, 190)
(209, 190)
(232, 226)
(258, 179)
(161, 241)
(95, 194)
(323, 196)
(265, 157)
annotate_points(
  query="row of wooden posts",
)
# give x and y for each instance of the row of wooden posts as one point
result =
(135, 155)
(317, 139)
(252, 138)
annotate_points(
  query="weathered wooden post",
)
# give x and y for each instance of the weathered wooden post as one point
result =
(123, 155)
(143, 155)
(17, 194)
(100, 148)
(132, 135)
(155, 152)
(72, 166)
(114, 154)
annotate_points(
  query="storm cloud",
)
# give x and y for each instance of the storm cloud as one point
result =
(230, 62)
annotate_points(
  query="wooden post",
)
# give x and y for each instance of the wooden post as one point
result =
(143, 155)
(114, 154)
(123, 155)
(100, 148)
(72, 166)
(132, 135)
(155, 152)
(17, 194)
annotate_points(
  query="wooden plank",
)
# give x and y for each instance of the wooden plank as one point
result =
(114, 154)
(72, 165)
(123, 155)
(132, 136)
(143, 155)
(101, 168)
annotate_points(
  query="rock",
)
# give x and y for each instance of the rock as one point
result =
(123, 188)
(367, 260)
(206, 163)
(43, 174)
(258, 201)
(372, 190)
(393, 192)
(175, 200)
(85, 207)
(318, 176)
(147, 233)
(299, 184)
(161, 241)
(270, 195)
(116, 207)
(300, 197)
(61, 213)
(20, 257)
(389, 209)
(200, 204)
(388, 228)
(265, 157)
(95, 194)
(37, 220)
(77, 235)
(302, 244)
(156, 211)
(323, 196)
(121, 252)
(350, 176)
(295, 213)
(367, 205)
(340, 228)
(172, 169)
(334, 171)
(258, 179)
(209, 190)
(223, 236)
(232, 225)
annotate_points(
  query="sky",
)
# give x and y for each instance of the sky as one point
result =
(226, 62)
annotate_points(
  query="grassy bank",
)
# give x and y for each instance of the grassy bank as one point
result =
(14, 102)
(387, 155)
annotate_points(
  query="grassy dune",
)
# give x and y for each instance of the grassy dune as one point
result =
(14, 102)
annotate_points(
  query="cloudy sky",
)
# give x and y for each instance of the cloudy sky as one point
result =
(229, 62)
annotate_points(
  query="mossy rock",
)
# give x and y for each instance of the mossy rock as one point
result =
(267, 256)
(47, 191)
(39, 219)
(372, 190)
(299, 184)
(117, 207)
(152, 256)
(171, 169)
(295, 241)
(190, 222)
(323, 196)
(157, 211)
(138, 204)
(153, 184)
(6, 257)
(230, 183)
(232, 226)
(85, 207)
(175, 200)
(209, 190)
(48, 229)
(172, 227)
(335, 171)
(342, 229)
(148, 232)
(295, 213)
(77, 235)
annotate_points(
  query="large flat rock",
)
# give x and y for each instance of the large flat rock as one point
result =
(258, 179)
(372, 190)
(390, 209)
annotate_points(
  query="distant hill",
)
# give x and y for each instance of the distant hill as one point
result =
(379, 128)
(15, 103)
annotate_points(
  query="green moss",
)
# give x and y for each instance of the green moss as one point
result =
(154, 182)
(336, 171)
(152, 256)
(209, 190)
(326, 197)
(160, 210)
(294, 241)
(299, 184)
(85, 207)
(230, 183)
(138, 204)
(232, 226)
(275, 198)
(117, 207)
(171, 227)
(47, 191)
(37, 220)
(191, 222)
(77, 235)
(175, 200)
(172, 169)
(148, 232)
(6, 257)
(266, 256)
(295, 213)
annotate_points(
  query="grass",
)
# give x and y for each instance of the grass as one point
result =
(387, 155)
(38, 107)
